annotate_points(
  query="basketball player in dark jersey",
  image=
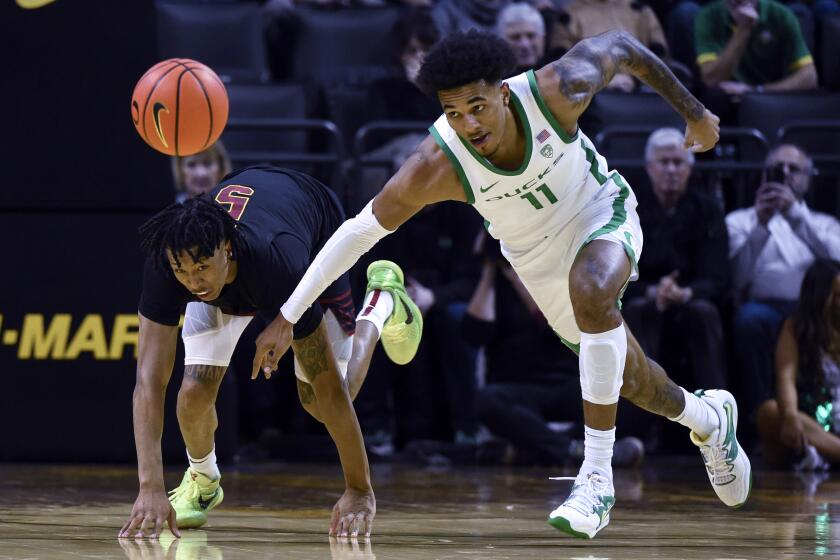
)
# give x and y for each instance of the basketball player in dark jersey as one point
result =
(227, 256)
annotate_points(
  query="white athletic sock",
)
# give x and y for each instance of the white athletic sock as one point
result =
(206, 466)
(598, 450)
(379, 304)
(698, 416)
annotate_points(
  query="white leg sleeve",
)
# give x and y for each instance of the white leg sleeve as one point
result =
(353, 239)
(209, 335)
(602, 358)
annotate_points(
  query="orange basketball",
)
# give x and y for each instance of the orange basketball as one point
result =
(179, 107)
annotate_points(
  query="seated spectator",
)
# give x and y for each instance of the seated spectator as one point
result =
(199, 173)
(752, 46)
(463, 15)
(522, 26)
(683, 277)
(532, 378)
(801, 426)
(771, 245)
(586, 18)
(397, 98)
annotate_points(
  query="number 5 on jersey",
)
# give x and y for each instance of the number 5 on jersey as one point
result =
(235, 198)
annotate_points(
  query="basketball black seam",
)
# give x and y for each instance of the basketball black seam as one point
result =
(149, 97)
(178, 107)
(209, 106)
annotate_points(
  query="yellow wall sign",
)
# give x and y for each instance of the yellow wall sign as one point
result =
(33, 4)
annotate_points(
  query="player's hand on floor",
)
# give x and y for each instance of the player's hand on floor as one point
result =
(272, 343)
(149, 516)
(353, 514)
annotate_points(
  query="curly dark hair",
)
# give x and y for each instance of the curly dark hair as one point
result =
(811, 326)
(197, 226)
(464, 58)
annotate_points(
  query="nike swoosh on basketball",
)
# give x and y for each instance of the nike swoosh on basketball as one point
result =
(156, 110)
(482, 189)
(33, 4)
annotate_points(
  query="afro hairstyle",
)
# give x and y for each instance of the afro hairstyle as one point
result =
(464, 58)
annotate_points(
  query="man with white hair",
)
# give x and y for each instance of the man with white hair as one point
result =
(523, 28)
(673, 307)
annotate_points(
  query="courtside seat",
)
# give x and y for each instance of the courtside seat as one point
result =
(338, 45)
(769, 112)
(227, 36)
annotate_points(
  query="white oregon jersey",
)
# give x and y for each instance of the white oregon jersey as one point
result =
(551, 187)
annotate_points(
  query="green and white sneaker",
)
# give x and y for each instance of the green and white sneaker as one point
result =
(587, 509)
(726, 463)
(194, 497)
(404, 328)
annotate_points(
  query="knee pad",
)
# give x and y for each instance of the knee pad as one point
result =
(209, 335)
(602, 358)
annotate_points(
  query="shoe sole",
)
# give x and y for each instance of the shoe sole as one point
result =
(563, 524)
(390, 265)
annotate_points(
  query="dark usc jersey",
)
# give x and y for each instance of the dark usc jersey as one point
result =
(284, 217)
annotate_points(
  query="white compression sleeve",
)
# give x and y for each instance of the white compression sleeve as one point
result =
(353, 239)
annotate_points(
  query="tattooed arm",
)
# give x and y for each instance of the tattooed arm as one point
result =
(569, 83)
(355, 510)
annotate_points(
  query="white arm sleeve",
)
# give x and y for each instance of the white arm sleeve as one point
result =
(353, 239)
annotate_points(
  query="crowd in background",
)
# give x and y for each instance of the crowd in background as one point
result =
(720, 301)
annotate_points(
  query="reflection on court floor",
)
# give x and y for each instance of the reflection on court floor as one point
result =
(667, 510)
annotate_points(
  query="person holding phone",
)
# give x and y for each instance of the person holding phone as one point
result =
(771, 245)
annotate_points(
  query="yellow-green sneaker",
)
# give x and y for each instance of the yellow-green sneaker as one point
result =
(194, 497)
(404, 328)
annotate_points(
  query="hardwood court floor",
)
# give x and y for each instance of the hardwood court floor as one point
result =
(667, 510)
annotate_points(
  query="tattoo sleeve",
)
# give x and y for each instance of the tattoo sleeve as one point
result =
(204, 373)
(305, 392)
(312, 353)
(591, 64)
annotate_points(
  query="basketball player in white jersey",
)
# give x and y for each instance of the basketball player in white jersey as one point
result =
(512, 148)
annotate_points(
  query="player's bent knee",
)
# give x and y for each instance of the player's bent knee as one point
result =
(195, 397)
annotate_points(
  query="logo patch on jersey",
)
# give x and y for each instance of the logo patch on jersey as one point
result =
(543, 136)
(547, 151)
(484, 190)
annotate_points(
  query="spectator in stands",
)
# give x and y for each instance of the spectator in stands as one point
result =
(586, 18)
(771, 245)
(397, 98)
(531, 377)
(463, 15)
(433, 396)
(752, 46)
(197, 174)
(522, 26)
(802, 425)
(673, 307)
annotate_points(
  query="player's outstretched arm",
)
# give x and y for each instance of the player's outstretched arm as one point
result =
(426, 178)
(155, 358)
(354, 512)
(569, 83)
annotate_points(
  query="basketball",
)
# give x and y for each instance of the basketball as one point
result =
(179, 107)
